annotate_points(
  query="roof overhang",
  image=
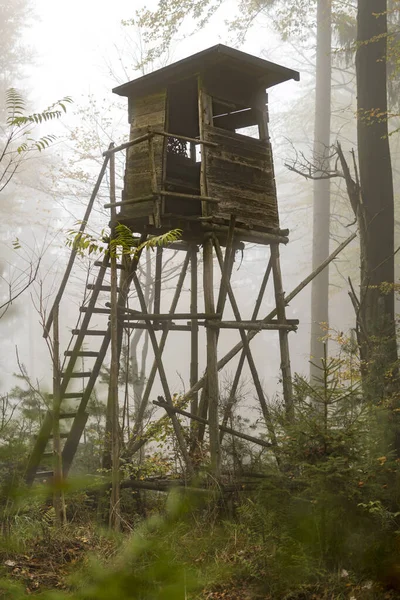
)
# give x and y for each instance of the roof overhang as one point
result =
(266, 73)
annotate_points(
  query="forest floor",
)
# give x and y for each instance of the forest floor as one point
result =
(52, 559)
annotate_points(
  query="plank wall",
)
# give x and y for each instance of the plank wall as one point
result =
(144, 112)
(240, 174)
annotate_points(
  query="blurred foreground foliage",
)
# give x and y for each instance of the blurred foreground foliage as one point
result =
(315, 517)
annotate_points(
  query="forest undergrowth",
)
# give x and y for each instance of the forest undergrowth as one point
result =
(318, 518)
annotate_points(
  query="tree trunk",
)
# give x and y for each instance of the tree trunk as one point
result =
(321, 193)
(377, 232)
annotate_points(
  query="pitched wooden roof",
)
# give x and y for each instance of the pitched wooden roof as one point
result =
(220, 56)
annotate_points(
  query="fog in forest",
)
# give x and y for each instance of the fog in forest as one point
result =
(83, 51)
(199, 299)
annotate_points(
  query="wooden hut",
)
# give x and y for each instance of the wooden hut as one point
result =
(201, 150)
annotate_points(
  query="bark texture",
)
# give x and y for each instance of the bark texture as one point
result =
(376, 210)
(321, 191)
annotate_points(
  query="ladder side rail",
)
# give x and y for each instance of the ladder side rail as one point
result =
(74, 251)
(75, 433)
(39, 448)
(84, 325)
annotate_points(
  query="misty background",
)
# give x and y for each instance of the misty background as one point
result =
(83, 50)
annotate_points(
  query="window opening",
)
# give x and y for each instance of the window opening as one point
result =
(239, 119)
(182, 173)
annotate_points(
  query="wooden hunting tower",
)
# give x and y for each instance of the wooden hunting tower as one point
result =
(199, 159)
(205, 153)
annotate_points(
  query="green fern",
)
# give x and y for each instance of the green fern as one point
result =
(124, 242)
(162, 240)
(40, 144)
(16, 107)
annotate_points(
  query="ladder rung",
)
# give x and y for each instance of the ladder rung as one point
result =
(69, 395)
(44, 474)
(68, 415)
(63, 435)
(90, 332)
(98, 311)
(98, 263)
(48, 454)
(78, 375)
(102, 288)
(87, 353)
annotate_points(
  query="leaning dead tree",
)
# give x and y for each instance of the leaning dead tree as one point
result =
(374, 331)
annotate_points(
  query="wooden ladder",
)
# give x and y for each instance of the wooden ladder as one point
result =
(78, 417)
(41, 455)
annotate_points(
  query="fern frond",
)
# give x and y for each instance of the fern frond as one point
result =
(161, 240)
(16, 108)
(15, 103)
(40, 144)
(44, 142)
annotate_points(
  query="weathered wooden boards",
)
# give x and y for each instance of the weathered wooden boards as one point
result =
(142, 172)
(239, 173)
(237, 170)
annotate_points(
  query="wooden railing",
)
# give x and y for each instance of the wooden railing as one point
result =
(112, 149)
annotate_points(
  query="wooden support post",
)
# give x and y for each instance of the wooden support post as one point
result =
(136, 445)
(212, 359)
(249, 356)
(152, 374)
(157, 283)
(158, 359)
(205, 118)
(238, 434)
(194, 337)
(130, 267)
(58, 497)
(114, 517)
(238, 373)
(226, 275)
(262, 116)
(154, 184)
(227, 268)
(283, 334)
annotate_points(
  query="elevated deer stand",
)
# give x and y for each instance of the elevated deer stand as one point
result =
(199, 159)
